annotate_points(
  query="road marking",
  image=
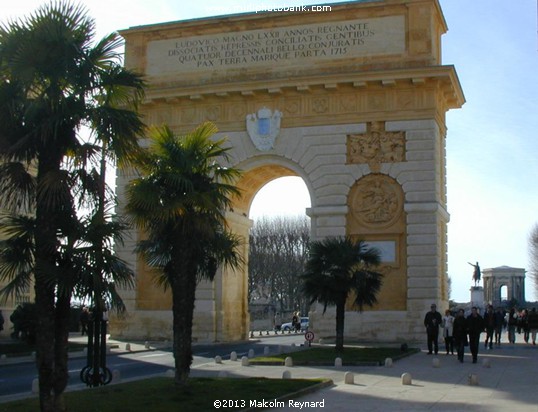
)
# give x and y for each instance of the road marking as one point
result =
(153, 355)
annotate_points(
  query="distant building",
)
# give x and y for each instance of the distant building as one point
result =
(27, 295)
(8, 305)
(495, 279)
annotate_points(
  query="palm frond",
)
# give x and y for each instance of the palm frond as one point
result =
(338, 266)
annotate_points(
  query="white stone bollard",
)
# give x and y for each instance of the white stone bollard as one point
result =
(288, 362)
(338, 362)
(473, 379)
(146, 344)
(251, 353)
(223, 374)
(233, 356)
(266, 350)
(486, 363)
(388, 363)
(244, 361)
(293, 345)
(116, 376)
(218, 359)
(349, 378)
(286, 375)
(407, 379)
(436, 363)
(35, 386)
(170, 373)
(128, 347)
(320, 341)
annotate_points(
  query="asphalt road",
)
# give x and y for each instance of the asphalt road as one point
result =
(16, 379)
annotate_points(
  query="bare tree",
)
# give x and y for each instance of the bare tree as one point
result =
(278, 252)
(533, 255)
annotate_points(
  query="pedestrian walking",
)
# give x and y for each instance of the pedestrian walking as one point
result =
(533, 324)
(489, 322)
(459, 334)
(475, 326)
(432, 321)
(448, 325)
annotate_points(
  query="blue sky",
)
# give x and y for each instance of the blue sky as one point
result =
(492, 142)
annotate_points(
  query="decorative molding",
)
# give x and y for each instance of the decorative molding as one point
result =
(376, 146)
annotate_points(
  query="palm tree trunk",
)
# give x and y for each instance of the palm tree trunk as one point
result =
(61, 342)
(183, 291)
(45, 261)
(45, 341)
(340, 313)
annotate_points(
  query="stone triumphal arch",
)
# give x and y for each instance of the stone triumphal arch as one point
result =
(353, 101)
(513, 279)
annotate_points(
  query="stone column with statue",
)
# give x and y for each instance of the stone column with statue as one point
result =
(477, 292)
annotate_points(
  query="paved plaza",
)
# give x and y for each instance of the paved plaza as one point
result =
(506, 379)
(506, 382)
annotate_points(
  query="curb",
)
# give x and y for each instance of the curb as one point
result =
(411, 351)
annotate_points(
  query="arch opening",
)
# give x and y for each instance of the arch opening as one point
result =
(277, 200)
(503, 293)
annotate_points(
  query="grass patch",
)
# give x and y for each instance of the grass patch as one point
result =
(160, 395)
(326, 356)
(21, 348)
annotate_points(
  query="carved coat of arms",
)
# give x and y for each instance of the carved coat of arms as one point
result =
(263, 127)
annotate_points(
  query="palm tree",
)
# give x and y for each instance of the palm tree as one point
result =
(52, 82)
(180, 202)
(339, 268)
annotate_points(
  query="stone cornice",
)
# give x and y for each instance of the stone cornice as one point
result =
(444, 77)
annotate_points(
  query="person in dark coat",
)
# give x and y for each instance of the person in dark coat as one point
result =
(432, 321)
(533, 324)
(512, 323)
(475, 326)
(489, 323)
(499, 323)
(84, 320)
(459, 334)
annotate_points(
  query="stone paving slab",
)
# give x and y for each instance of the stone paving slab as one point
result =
(509, 384)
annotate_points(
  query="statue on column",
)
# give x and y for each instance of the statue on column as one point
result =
(476, 273)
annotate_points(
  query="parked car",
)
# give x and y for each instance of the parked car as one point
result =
(304, 325)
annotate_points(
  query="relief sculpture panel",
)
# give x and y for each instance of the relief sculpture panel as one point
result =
(376, 146)
(377, 201)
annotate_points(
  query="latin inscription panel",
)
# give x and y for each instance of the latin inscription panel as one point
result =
(277, 47)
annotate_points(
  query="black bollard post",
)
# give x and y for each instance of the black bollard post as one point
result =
(106, 376)
(86, 371)
(96, 376)
(96, 373)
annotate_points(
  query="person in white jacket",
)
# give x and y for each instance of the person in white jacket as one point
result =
(448, 327)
